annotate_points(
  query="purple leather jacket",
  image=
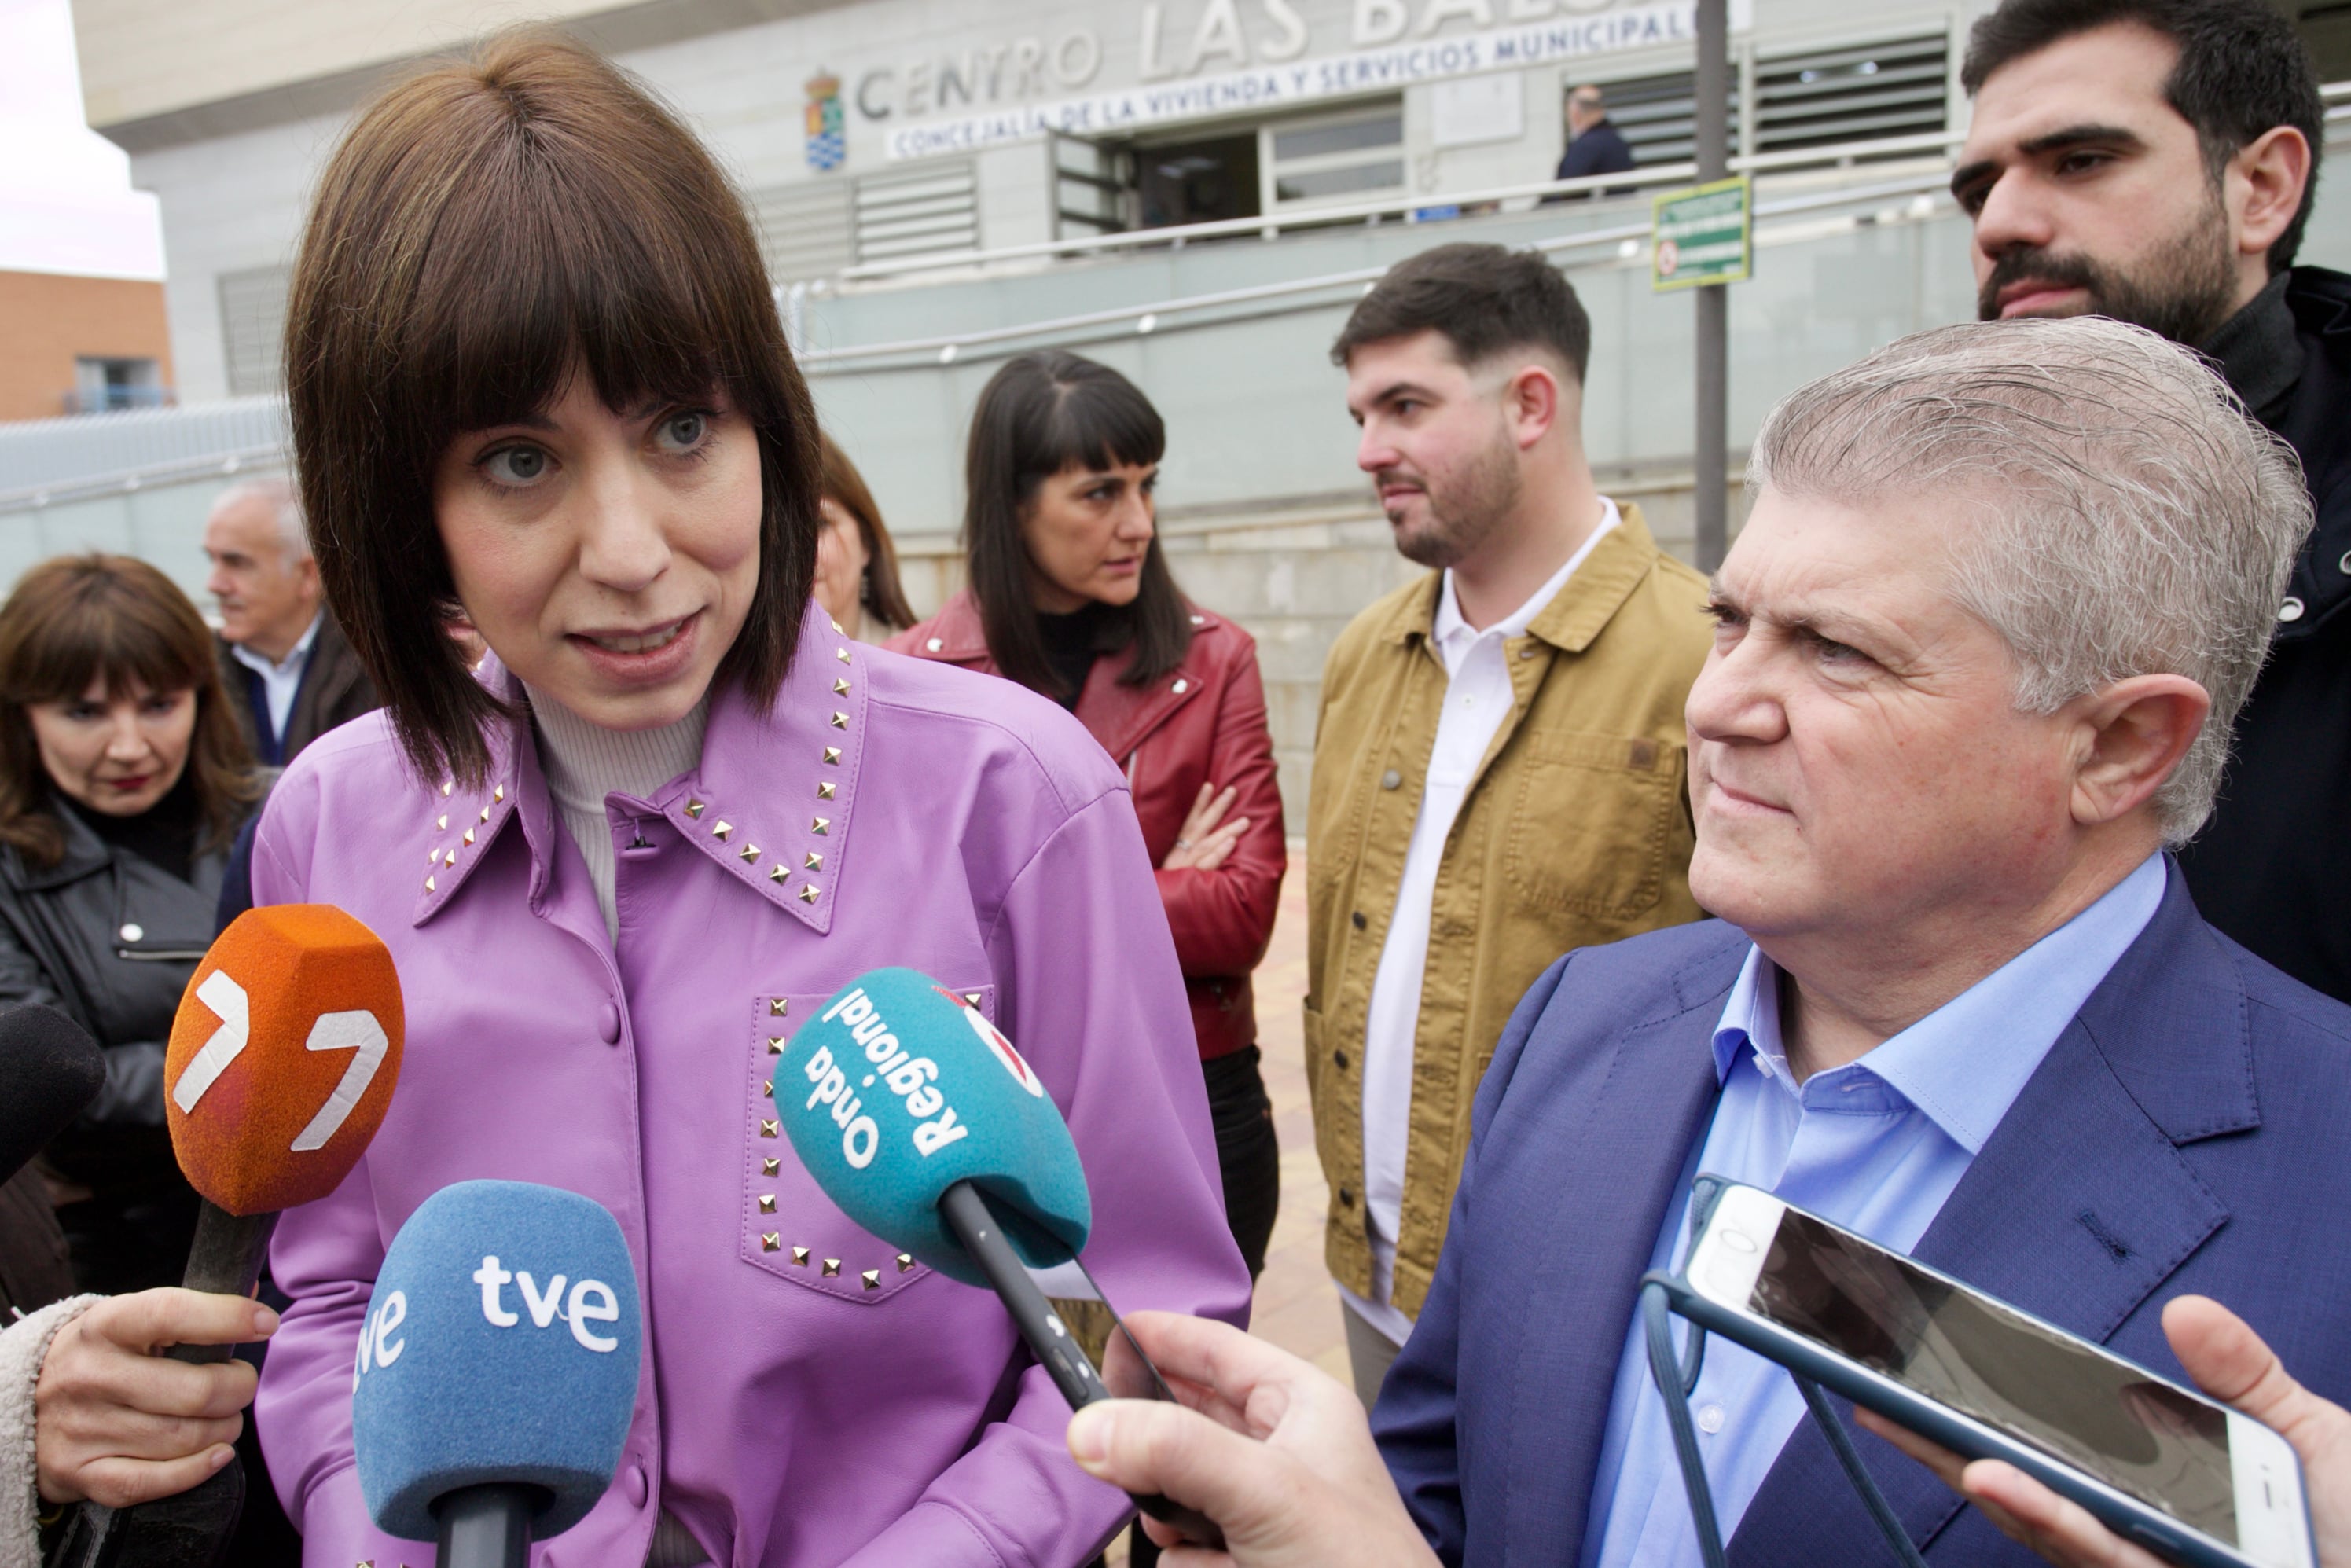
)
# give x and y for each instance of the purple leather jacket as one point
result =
(809, 1396)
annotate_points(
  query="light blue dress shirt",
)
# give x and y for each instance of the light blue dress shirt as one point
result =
(1875, 1146)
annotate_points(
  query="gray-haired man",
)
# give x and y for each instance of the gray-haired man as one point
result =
(1980, 644)
(283, 658)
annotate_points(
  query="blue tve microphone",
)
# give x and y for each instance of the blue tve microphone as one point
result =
(497, 1370)
(923, 1124)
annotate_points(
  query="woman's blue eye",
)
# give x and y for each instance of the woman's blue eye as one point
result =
(515, 464)
(684, 432)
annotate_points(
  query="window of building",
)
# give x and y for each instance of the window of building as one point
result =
(253, 329)
(1352, 157)
(1855, 92)
(103, 383)
(1094, 186)
(1198, 182)
(805, 232)
(930, 207)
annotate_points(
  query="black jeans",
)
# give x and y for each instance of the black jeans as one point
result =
(1248, 1155)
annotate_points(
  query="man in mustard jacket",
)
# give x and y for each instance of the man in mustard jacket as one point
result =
(1500, 773)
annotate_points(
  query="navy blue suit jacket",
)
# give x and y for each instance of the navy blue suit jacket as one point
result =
(2187, 1132)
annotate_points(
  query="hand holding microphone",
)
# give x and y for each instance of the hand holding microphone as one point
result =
(1274, 1450)
(923, 1124)
(497, 1370)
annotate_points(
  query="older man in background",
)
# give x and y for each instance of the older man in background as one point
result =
(1977, 649)
(280, 649)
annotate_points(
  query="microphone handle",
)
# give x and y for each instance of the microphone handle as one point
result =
(487, 1526)
(968, 1215)
(225, 1260)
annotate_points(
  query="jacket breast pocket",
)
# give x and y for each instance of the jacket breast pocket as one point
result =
(1591, 824)
(789, 1228)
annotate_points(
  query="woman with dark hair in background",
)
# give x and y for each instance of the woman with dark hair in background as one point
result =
(536, 381)
(123, 780)
(856, 566)
(1070, 595)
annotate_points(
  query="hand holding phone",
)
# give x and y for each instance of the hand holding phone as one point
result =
(2228, 1361)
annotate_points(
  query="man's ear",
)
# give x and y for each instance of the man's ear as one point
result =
(2133, 735)
(2266, 180)
(1531, 401)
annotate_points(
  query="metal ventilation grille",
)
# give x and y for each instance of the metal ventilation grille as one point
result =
(253, 328)
(1854, 93)
(1657, 116)
(804, 228)
(930, 210)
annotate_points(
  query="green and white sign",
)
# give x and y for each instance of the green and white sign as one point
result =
(1704, 233)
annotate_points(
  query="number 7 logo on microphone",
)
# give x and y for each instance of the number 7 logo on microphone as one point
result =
(266, 1109)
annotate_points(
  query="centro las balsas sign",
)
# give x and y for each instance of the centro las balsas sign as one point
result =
(1307, 81)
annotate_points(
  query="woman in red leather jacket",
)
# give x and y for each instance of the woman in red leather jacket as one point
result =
(1069, 594)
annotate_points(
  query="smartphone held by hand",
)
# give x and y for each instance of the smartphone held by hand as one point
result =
(2189, 1478)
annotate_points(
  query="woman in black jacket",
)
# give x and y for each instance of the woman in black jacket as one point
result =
(123, 780)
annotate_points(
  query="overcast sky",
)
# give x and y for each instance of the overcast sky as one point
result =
(65, 201)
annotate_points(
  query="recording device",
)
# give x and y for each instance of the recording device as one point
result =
(923, 1124)
(52, 1068)
(497, 1370)
(2189, 1479)
(281, 1065)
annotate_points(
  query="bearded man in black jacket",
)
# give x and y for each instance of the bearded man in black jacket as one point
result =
(2154, 160)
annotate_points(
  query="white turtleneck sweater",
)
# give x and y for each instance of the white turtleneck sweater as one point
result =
(584, 763)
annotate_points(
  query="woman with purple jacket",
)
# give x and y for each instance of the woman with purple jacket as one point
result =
(538, 382)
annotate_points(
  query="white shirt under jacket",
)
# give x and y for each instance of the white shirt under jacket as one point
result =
(1477, 696)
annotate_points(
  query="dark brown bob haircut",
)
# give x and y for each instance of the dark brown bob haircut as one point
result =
(1484, 299)
(488, 230)
(1040, 414)
(85, 618)
(883, 597)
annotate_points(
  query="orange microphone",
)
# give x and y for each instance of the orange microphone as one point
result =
(281, 1065)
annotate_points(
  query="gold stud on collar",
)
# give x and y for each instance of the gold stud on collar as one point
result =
(831, 1268)
(824, 791)
(695, 809)
(775, 1045)
(778, 1006)
(447, 788)
(873, 1278)
(972, 996)
(767, 1089)
(770, 1241)
(808, 892)
(841, 654)
(749, 851)
(769, 1129)
(449, 859)
(832, 756)
(815, 862)
(469, 836)
(723, 831)
(777, 872)
(840, 686)
(432, 855)
(800, 1255)
(441, 822)
(767, 1203)
(428, 884)
(771, 1167)
(485, 813)
(820, 827)
(841, 721)
(498, 793)
(904, 1263)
